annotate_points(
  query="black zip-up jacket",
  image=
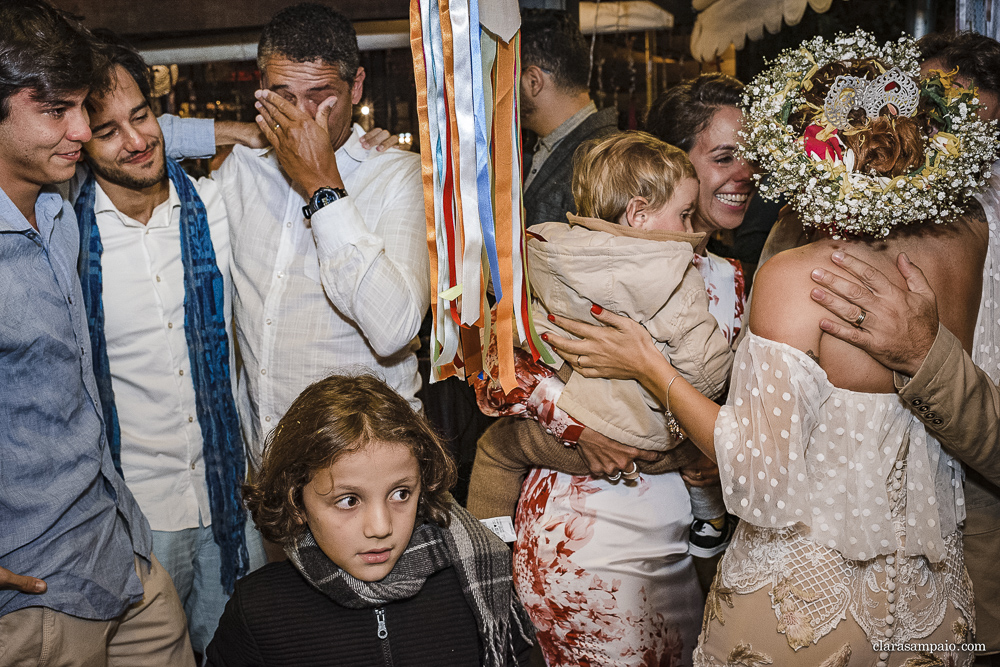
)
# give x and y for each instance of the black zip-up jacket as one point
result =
(276, 619)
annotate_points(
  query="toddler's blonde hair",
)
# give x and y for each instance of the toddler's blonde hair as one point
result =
(608, 172)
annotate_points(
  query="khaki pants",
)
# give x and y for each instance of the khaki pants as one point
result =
(151, 633)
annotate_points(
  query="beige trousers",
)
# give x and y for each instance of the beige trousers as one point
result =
(151, 633)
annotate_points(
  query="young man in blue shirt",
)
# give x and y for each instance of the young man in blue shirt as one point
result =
(78, 581)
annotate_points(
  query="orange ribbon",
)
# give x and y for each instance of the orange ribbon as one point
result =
(503, 147)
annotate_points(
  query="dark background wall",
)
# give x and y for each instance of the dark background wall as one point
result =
(149, 17)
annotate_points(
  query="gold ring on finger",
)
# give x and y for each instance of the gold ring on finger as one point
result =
(859, 319)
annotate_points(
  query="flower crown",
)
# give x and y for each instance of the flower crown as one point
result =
(875, 151)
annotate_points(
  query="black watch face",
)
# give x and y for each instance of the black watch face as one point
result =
(321, 198)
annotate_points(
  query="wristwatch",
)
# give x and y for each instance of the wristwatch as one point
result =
(321, 198)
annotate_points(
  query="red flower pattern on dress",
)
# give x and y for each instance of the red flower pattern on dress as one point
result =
(728, 273)
(570, 607)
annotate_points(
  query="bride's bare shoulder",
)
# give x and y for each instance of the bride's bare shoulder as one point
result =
(781, 308)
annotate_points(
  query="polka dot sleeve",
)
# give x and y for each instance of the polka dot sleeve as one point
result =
(857, 470)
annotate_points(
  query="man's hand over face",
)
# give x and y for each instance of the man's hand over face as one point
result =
(301, 143)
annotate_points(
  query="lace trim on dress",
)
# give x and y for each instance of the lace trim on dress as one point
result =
(796, 451)
(812, 587)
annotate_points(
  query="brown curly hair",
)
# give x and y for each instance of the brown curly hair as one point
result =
(334, 416)
(680, 113)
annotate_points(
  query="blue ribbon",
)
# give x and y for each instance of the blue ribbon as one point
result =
(483, 180)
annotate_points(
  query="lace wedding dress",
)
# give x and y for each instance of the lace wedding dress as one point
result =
(848, 552)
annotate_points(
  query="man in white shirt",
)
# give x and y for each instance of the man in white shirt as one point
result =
(181, 450)
(345, 283)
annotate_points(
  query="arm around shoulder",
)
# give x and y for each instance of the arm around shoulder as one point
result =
(959, 403)
(187, 138)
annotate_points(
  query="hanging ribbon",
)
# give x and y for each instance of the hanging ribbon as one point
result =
(467, 84)
(465, 124)
(426, 158)
(505, 123)
(482, 60)
(445, 335)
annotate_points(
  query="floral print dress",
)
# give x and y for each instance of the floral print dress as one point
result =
(602, 567)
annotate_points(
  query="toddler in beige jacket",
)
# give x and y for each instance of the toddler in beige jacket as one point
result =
(630, 250)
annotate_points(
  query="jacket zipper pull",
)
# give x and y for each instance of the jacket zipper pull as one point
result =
(383, 633)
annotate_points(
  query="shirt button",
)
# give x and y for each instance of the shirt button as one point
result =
(180, 372)
(281, 274)
(157, 278)
(268, 418)
(70, 299)
(263, 371)
(288, 224)
(268, 322)
(147, 231)
(170, 325)
(190, 418)
(192, 466)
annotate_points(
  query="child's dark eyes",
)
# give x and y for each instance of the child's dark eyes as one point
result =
(401, 494)
(347, 502)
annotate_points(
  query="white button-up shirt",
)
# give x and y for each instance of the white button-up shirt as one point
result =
(143, 292)
(346, 291)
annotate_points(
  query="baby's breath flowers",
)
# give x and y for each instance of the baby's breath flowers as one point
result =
(823, 177)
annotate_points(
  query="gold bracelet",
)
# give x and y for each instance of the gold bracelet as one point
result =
(669, 385)
(673, 426)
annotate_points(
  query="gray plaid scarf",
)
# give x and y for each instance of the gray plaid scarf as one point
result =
(480, 558)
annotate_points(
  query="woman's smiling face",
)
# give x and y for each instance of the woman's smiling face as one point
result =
(726, 181)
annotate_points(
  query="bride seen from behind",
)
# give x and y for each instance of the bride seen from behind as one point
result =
(849, 540)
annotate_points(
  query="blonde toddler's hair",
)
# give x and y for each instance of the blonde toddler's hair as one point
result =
(610, 171)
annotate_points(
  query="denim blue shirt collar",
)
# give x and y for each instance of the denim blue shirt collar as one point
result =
(47, 206)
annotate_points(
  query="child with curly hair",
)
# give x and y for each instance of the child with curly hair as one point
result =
(384, 566)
